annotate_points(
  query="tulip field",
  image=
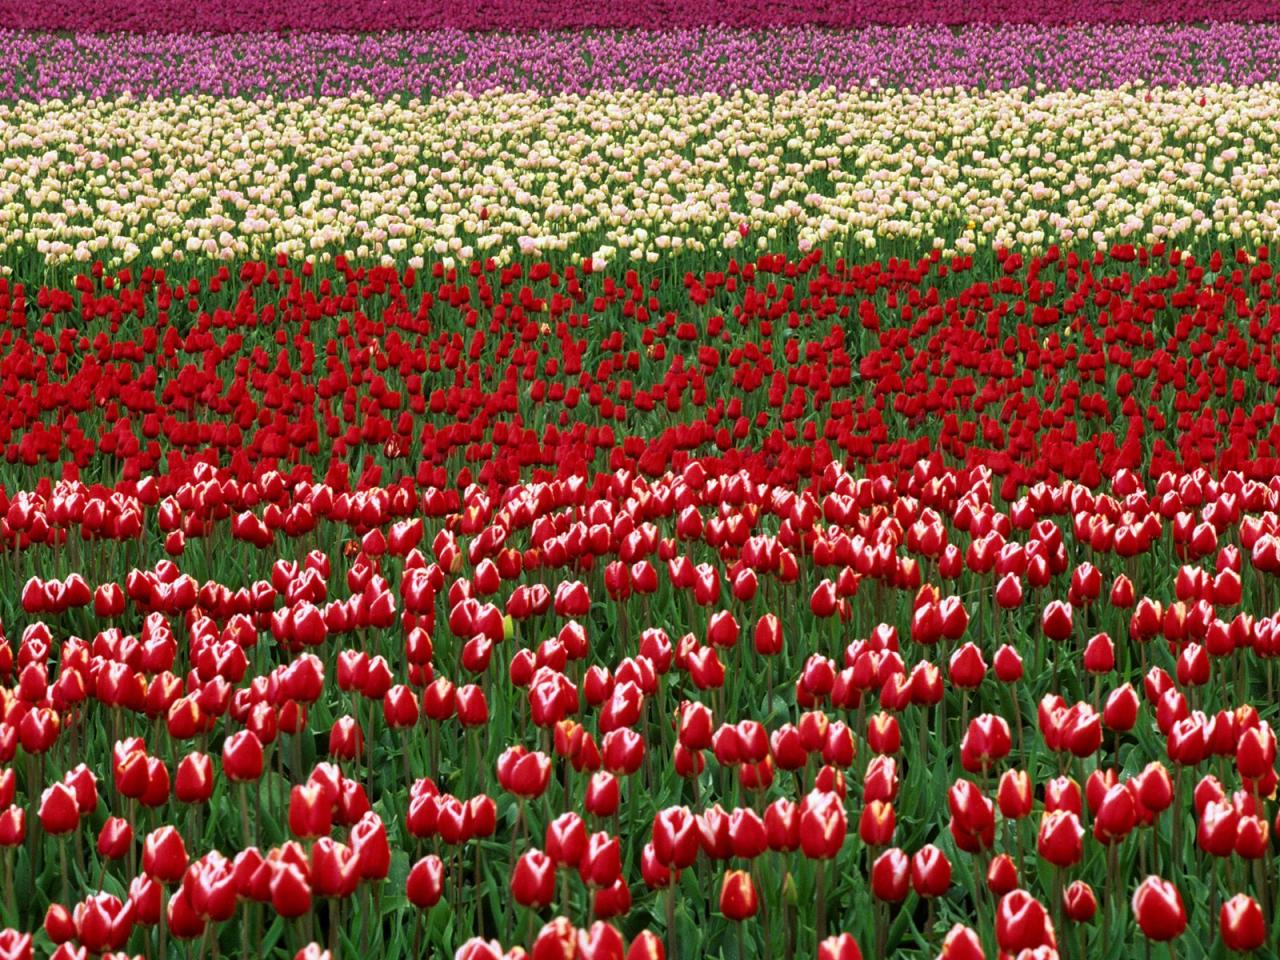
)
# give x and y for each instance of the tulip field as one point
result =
(648, 481)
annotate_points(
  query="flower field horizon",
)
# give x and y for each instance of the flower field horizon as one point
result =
(537, 481)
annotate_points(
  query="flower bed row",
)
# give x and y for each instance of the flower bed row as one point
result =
(633, 176)
(42, 66)
(230, 16)
(794, 608)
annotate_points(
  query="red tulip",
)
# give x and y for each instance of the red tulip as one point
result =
(768, 636)
(164, 855)
(676, 840)
(1059, 839)
(1008, 664)
(1079, 903)
(890, 875)
(1014, 794)
(601, 862)
(822, 825)
(524, 773)
(115, 838)
(1242, 924)
(59, 812)
(533, 879)
(13, 826)
(1002, 875)
(876, 824)
(738, 899)
(1116, 814)
(840, 947)
(425, 883)
(1022, 923)
(1157, 906)
(930, 871)
(369, 841)
(242, 757)
(290, 890)
(646, 946)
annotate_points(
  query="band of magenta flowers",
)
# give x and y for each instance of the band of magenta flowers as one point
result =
(183, 16)
(42, 66)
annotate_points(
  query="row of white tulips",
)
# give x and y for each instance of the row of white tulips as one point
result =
(627, 176)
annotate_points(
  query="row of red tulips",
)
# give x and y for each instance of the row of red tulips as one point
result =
(1042, 368)
(122, 680)
(599, 682)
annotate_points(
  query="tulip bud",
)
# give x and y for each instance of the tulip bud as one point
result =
(1079, 902)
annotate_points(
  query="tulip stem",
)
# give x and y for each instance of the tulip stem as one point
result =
(768, 673)
(1260, 882)
(335, 924)
(789, 925)
(433, 742)
(764, 917)
(162, 923)
(516, 830)
(62, 868)
(365, 919)
(1110, 901)
(370, 744)
(11, 908)
(820, 893)
(244, 815)
(1017, 722)
(1175, 825)
(1057, 900)
(35, 771)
